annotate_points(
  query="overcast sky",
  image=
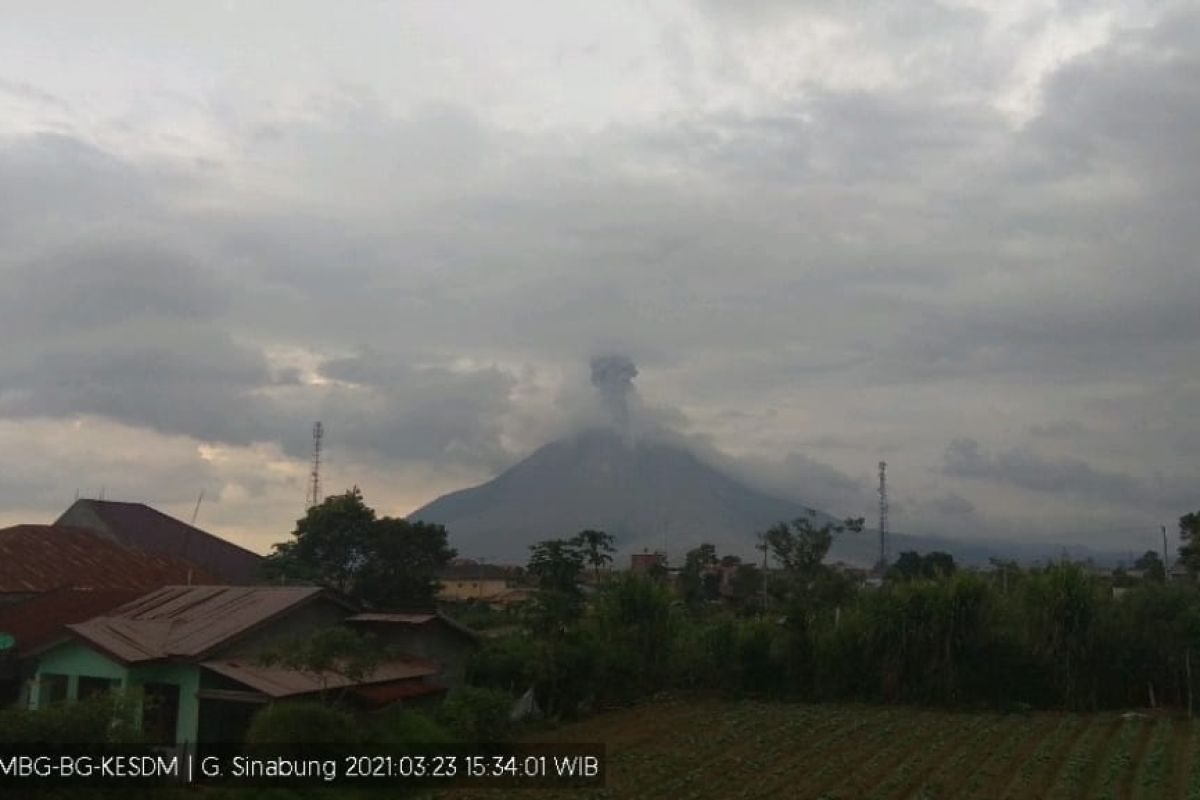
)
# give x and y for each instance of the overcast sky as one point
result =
(961, 237)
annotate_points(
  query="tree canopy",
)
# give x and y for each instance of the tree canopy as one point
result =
(1189, 537)
(383, 562)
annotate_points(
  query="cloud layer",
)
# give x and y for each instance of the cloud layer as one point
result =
(961, 239)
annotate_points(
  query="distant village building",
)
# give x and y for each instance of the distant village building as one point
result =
(464, 579)
(647, 562)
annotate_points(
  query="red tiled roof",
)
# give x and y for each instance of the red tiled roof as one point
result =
(40, 558)
(145, 528)
(188, 621)
(41, 619)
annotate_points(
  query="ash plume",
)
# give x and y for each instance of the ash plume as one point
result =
(613, 378)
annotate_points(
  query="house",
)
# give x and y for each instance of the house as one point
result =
(28, 625)
(647, 562)
(464, 579)
(35, 559)
(193, 652)
(429, 635)
(143, 528)
(52, 576)
(1178, 573)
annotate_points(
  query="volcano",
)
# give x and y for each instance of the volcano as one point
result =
(648, 494)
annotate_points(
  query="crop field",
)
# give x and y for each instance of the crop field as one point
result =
(716, 749)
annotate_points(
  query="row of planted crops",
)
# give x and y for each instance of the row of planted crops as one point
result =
(714, 749)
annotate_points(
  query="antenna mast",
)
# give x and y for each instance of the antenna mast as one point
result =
(314, 489)
(196, 510)
(883, 520)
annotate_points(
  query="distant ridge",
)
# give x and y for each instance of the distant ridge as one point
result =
(652, 494)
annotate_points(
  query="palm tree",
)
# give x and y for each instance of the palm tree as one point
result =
(597, 548)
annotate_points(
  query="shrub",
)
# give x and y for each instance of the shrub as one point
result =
(478, 715)
(293, 724)
(399, 727)
(105, 718)
(510, 663)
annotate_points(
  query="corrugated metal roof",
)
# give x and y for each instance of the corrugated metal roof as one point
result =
(41, 619)
(282, 682)
(40, 558)
(402, 619)
(145, 528)
(379, 694)
(188, 621)
(413, 619)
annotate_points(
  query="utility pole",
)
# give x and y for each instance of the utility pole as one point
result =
(1166, 566)
(883, 519)
(196, 510)
(762, 537)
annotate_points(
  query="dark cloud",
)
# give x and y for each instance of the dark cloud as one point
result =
(1025, 469)
(865, 246)
(1058, 429)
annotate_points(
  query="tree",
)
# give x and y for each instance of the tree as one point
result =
(911, 565)
(331, 544)
(1189, 537)
(405, 558)
(939, 564)
(328, 655)
(381, 562)
(635, 629)
(556, 565)
(564, 659)
(597, 547)
(802, 547)
(746, 583)
(698, 581)
(1151, 565)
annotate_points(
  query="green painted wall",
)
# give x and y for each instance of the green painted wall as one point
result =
(76, 660)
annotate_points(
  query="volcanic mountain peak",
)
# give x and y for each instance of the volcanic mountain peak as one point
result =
(646, 492)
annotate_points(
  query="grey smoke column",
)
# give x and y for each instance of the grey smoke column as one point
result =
(613, 378)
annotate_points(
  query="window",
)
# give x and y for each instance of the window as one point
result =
(89, 686)
(52, 689)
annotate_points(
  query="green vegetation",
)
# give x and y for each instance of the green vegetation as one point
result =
(696, 749)
(382, 562)
(297, 723)
(1046, 638)
(103, 718)
(333, 651)
(477, 715)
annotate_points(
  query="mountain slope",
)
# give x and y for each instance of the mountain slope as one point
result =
(646, 494)
(654, 495)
